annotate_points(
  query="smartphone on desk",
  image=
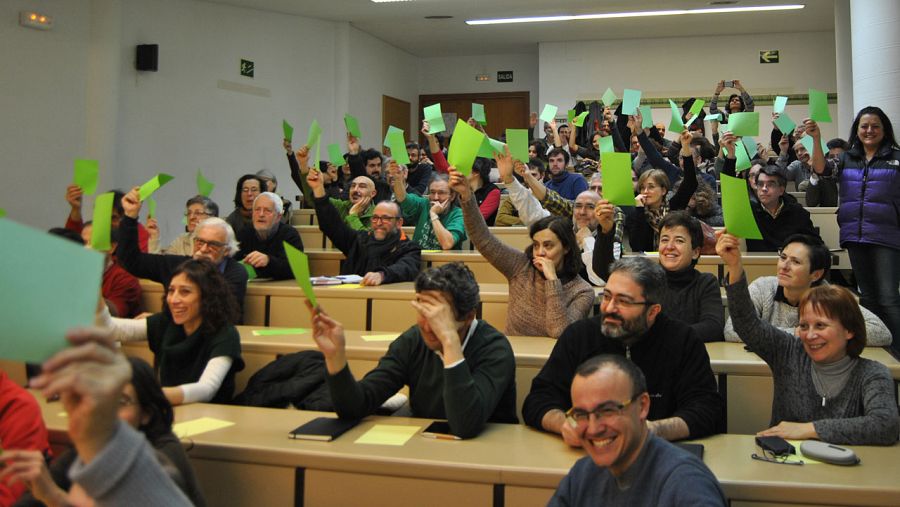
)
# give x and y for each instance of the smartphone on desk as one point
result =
(439, 430)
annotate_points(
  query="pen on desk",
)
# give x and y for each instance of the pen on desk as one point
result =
(440, 437)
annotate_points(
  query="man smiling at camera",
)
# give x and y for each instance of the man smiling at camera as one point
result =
(626, 464)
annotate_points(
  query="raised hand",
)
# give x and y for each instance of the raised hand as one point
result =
(720, 86)
(153, 228)
(315, 181)
(728, 140)
(131, 203)
(812, 129)
(286, 143)
(605, 213)
(532, 119)
(505, 165)
(74, 196)
(352, 144)
(728, 247)
(685, 137)
(302, 156)
(329, 337)
(459, 184)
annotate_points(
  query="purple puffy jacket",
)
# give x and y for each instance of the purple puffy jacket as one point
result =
(870, 197)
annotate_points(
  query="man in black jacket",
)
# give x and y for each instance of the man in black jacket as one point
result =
(263, 245)
(778, 215)
(214, 241)
(684, 401)
(380, 255)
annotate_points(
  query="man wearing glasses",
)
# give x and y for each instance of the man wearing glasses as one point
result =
(626, 464)
(439, 221)
(777, 214)
(685, 401)
(382, 254)
(213, 240)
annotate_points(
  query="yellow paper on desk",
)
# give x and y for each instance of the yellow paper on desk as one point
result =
(387, 434)
(800, 456)
(346, 286)
(197, 426)
(379, 337)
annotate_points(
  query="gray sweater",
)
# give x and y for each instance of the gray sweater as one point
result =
(786, 317)
(863, 413)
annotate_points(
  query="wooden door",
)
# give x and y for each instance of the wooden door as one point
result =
(503, 110)
(394, 112)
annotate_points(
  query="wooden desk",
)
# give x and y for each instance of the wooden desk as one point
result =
(254, 463)
(327, 262)
(385, 307)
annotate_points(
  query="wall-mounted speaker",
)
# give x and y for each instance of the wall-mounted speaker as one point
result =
(147, 57)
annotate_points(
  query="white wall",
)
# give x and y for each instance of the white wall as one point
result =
(44, 113)
(456, 74)
(575, 70)
(376, 69)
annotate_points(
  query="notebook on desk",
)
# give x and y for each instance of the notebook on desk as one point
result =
(323, 429)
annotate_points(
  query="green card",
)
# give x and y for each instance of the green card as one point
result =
(151, 207)
(153, 185)
(288, 130)
(100, 228)
(616, 171)
(808, 143)
(352, 125)
(750, 144)
(778, 105)
(549, 113)
(518, 144)
(464, 146)
(713, 117)
(2, 213)
(87, 172)
(742, 159)
(251, 271)
(394, 141)
(50, 285)
(435, 119)
(609, 98)
(606, 144)
(646, 117)
(785, 124)
(631, 99)
(818, 106)
(570, 115)
(204, 186)
(315, 133)
(280, 332)
(723, 127)
(478, 113)
(390, 130)
(335, 155)
(744, 124)
(676, 125)
(695, 109)
(489, 147)
(579, 120)
(739, 219)
(299, 263)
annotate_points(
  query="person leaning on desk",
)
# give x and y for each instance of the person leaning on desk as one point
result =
(823, 389)
(457, 368)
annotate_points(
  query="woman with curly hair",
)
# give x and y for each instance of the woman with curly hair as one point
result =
(196, 346)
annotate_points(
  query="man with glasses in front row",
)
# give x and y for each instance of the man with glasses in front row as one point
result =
(626, 464)
(382, 254)
(684, 399)
(213, 240)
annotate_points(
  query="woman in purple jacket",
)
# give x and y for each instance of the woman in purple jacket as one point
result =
(869, 214)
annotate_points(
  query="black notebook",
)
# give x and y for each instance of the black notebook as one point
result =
(324, 429)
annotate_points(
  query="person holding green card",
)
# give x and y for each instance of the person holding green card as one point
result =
(21, 427)
(869, 176)
(75, 221)
(544, 280)
(357, 209)
(439, 221)
(197, 209)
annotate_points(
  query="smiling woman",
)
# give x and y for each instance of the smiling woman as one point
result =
(196, 346)
(823, 389)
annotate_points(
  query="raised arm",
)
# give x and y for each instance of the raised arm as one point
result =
(688, 185)
(530, 209)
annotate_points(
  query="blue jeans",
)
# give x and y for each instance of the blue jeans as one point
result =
(877, 270)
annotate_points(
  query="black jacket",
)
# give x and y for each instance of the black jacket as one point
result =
(679, 378)
(399, 259)
(297, 379)
(159, 267)
(278, 267)
(792, 219)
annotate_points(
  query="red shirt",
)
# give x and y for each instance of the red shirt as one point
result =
(143, 235)
(21, 427)
(122, 290)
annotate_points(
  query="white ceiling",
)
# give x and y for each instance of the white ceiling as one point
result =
(402, 24)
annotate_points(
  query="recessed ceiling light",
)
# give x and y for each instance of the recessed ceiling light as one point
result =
(635, 14)
(439, 17)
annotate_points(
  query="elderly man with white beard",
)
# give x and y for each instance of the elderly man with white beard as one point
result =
(262, 246)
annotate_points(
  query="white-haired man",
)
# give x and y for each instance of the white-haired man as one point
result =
(263, 245)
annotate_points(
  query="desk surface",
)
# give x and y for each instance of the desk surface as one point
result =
(513, 455)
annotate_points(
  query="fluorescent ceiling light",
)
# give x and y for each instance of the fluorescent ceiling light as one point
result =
(634, 14)
(385, 1)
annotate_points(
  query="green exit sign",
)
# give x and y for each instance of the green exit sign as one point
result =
(246, 68)
(770, 56)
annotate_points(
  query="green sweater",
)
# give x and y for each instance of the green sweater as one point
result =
(357, 223)
(452, 220)
(480, 389)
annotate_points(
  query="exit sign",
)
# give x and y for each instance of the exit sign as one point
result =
(770, 56)
(504, 76)
(247, 68)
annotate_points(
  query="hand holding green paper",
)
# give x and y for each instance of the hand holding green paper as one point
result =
(616, 171)
(352, 125)
(102, 222)
(549, 113)
(299, 263)
(739, 219)
(154, 184)
(394, 141)
(288, 130)
(464, 146)
(87, 172)
(435, 119)
(631, 99)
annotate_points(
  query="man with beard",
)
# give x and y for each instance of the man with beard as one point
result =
(439, 221)
(683, 395)
(380, 255)
(610, 404)
(214, 240)
(356, 211)
(262, 246)
(419, 172)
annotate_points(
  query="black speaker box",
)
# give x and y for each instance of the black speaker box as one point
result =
(147, 57)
